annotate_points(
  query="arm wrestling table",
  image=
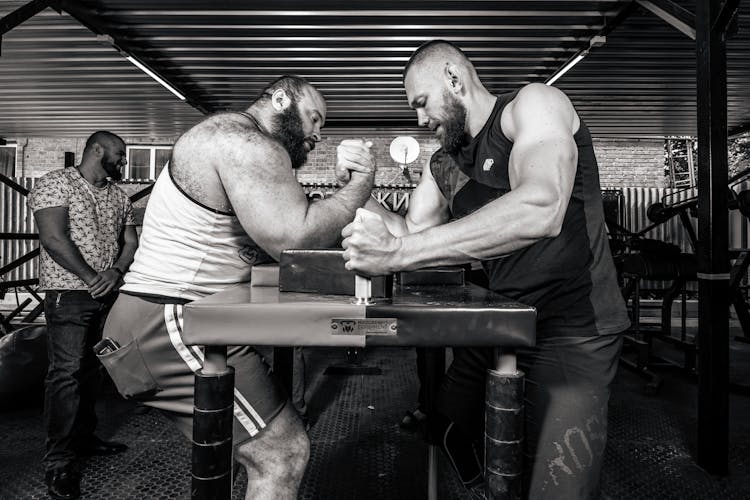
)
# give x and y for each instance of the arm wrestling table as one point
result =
(415, 316)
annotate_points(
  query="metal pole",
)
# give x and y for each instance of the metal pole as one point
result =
(283, 367)
(214, 360)
(713, 254)
(434, 367)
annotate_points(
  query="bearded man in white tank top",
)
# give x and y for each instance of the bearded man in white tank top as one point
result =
(228, 200)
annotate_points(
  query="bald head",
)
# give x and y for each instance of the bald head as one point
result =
(105, 139)
(294, 86)
(435, 55)
(292, 111)
(105, 150)
(442, 86)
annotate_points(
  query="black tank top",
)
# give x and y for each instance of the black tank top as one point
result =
(570, 278)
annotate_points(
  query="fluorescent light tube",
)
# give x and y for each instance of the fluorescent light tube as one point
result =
(156, 77)
(567, 67)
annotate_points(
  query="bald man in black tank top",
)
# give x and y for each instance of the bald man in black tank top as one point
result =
(523, 192)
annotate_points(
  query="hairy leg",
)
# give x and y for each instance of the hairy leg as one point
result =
(275, 460)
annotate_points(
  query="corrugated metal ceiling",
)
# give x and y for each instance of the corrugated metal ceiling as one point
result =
(56, 79)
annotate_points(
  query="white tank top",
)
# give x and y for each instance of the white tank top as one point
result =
(188, 250)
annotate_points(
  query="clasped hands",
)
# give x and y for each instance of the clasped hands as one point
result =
(354, 157)
(368, 244)
(104, 283)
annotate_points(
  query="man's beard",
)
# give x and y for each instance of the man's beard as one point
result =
(454, 125)
(112, 168)
(288, 131)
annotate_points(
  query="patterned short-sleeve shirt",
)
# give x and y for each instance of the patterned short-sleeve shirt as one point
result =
(96, 218)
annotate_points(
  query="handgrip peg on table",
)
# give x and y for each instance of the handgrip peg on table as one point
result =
(363, 289)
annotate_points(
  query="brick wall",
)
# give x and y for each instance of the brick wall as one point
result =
(38, 155)
(630, 162)
(320, 162)
(622, 162)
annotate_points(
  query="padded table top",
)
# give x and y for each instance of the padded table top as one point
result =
(418, 315)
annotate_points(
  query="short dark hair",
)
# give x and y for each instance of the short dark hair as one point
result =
(429, 48)
(101, 137)
(294, 87)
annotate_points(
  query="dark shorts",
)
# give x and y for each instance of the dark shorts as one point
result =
(566, 396)
(156, 368)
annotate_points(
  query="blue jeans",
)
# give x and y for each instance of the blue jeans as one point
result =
(74, 324)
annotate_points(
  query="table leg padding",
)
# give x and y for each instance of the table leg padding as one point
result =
(212, 426)
(212, 435)
(504, 434)
(212, 460)
(214, 391)
(212, 489)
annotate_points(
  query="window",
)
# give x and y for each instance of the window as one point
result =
(146, 162)
(8, 160)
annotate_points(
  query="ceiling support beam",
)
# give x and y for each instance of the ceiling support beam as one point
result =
(673, 14)
(726, 13)
(713, 235)
(24, 13)
(89, 21)
(595, 41)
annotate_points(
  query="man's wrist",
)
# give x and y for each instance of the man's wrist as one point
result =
(363, 177)
(89, 278)
(398, 255)
(118, 270)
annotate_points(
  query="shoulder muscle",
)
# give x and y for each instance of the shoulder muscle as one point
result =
(539, 110)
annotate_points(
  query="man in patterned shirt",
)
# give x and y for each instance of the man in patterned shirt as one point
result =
(88, 240)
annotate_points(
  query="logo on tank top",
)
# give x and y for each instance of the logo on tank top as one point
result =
(488, 164)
